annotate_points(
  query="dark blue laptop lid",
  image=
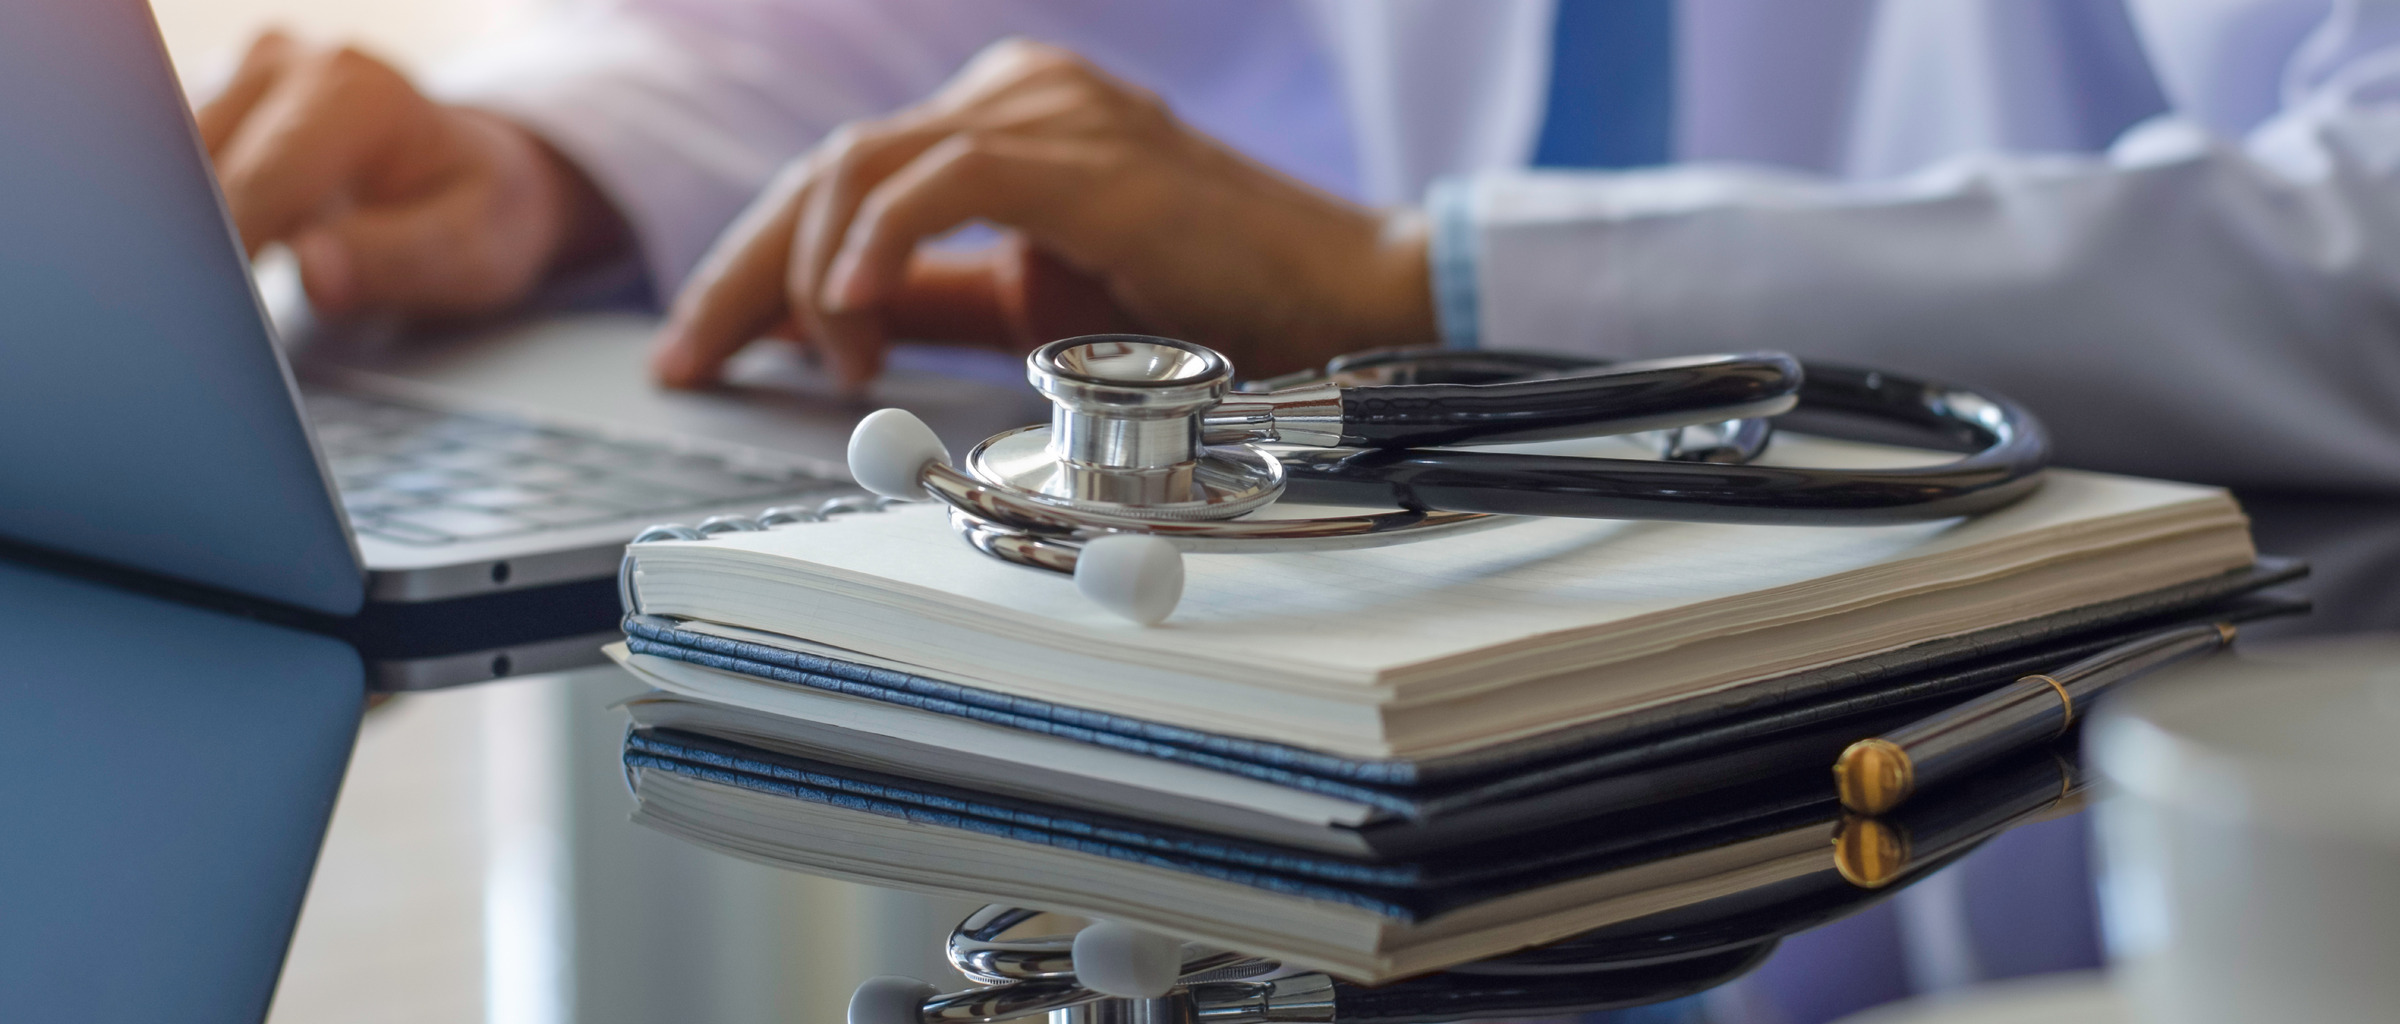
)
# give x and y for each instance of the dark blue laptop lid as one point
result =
(145, 416)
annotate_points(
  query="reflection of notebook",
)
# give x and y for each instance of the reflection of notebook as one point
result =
(1681, 878)
(1368, 922)
(1442, 646)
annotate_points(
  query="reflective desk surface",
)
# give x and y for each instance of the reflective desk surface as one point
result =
(176, 766)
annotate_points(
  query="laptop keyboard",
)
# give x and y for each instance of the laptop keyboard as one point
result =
(425, 477)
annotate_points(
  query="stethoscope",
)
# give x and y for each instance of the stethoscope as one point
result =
(1112, 972)
(1151, 452)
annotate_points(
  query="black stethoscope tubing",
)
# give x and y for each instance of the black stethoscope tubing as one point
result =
(2007, 450)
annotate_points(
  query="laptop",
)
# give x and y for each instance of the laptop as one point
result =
(149, 423)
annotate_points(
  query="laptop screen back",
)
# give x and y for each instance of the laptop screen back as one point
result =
(145, 416)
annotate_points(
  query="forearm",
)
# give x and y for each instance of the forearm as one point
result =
(2179, 309)
(591, 230)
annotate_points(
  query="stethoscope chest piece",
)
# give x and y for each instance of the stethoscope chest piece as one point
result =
(1217, 482)
(1125, 435)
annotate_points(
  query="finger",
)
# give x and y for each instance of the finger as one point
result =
(736, 292)
(784, 329)
(850, 344)
(261, 65)
(1044, 298)
(437, 256)
(1013, 82)
(1013, 295)
(852, 167)
(1018, 183)
(953, 296)
(1035, 185)
(316, 135)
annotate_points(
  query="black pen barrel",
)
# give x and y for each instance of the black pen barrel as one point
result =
(1878, 774)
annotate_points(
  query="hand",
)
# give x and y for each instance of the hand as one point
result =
(1121, 218)
(390, 201)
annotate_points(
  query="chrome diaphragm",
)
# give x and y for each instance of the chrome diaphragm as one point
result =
(1126, 435)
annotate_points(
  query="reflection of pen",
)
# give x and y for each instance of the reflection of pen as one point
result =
(1875, 852)
(1875, 775)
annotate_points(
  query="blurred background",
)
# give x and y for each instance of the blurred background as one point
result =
(207, 36)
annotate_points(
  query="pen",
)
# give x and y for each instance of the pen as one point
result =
(1877, 774)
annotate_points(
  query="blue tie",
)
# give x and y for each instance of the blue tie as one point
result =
(1612, 85)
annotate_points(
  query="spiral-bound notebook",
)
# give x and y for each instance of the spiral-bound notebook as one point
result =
(1443, 647)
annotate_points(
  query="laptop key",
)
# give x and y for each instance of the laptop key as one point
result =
(466, 459)
(365, 463)
(543, 474)
(429, 480)
(462, 523)
(367, 502)
(475, 429)
(402, 532)
(339, 438)
(704, 479)
(499, 496)
(551, 444)
(571, 513)
(629, 495)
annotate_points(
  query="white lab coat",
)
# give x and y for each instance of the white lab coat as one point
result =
(1927, 185)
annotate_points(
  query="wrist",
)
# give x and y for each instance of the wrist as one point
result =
(1353, 279)
(1393, 306)
(576, 227)
(592, 232)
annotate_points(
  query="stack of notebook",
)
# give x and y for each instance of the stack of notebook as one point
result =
(1375, 762)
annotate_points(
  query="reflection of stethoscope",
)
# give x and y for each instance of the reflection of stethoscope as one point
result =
(1110, 972)
(1151, 452)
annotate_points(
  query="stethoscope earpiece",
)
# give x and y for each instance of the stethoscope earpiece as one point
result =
(1135, 575)
(889, 451)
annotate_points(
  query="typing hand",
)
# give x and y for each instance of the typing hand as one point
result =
(390, 201)
(1121, 217)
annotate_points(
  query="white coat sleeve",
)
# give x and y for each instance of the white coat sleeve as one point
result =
(682, 110)
(2183, 306)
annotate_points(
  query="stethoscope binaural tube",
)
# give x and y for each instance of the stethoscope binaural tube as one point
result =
(2007, 451)
(1598, 400)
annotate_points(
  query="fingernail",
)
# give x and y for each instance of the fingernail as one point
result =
(325, 271)
(670, 361)
(846, 285)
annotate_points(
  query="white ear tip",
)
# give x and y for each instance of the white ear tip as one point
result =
(1134, 575)
(889, 450)
(890, 1000)
(1115, 960)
